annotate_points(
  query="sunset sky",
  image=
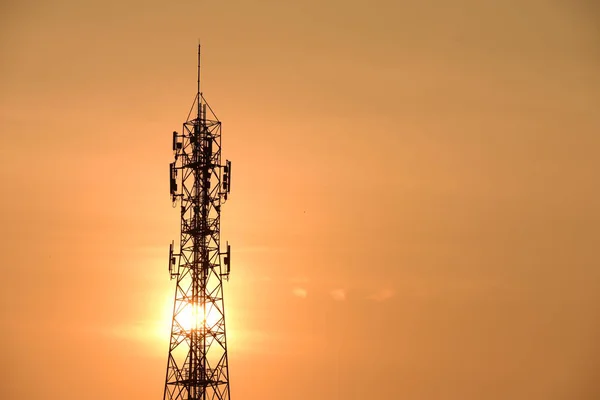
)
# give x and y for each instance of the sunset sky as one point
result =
(415, 204)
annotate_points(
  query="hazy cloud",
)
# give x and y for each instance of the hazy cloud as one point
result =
(338, 294)
(382, 295)
(300, 292)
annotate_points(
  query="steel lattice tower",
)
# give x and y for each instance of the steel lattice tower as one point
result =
(197, 366)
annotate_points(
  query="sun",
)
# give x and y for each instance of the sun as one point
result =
(198, 316)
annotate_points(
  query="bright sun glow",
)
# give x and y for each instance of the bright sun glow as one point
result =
(194, 317)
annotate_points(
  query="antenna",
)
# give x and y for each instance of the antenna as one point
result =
(199, 93)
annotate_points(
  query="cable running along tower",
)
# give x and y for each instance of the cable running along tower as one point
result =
(197, 366)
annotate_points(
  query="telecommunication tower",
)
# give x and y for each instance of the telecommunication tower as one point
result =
(197, 366)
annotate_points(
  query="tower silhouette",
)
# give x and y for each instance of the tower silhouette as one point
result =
(197, 365)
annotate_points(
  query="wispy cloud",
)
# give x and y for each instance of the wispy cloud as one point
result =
(338, 294)
(382, 295)
(300, 292)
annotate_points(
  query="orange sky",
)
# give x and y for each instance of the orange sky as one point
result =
(414, 210)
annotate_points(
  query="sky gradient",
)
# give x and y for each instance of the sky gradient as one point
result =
(415, 206)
